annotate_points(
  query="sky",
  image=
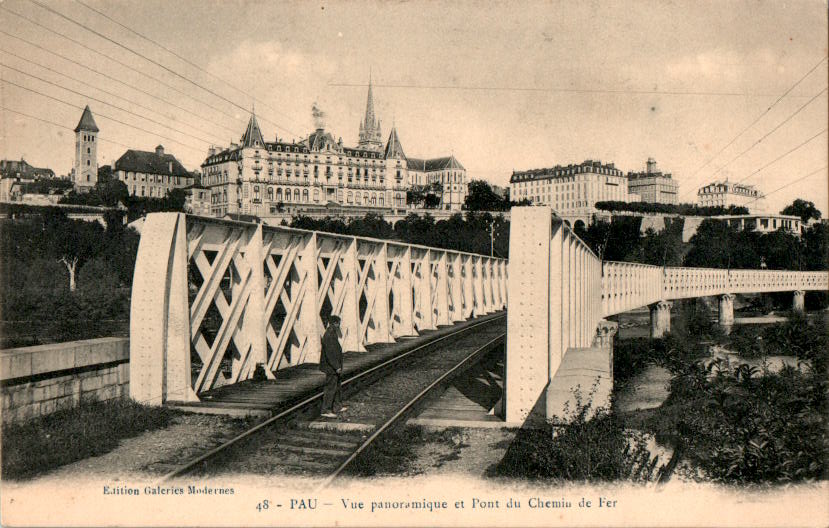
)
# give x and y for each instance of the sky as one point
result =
(503, 86)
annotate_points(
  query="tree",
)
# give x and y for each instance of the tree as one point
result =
(74, 243)
(431, 201)
(481, 197)
(805, 210)
(111, 192)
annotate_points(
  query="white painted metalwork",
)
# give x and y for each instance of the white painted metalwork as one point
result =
(213, 299)
(559, 291)
(626, 286)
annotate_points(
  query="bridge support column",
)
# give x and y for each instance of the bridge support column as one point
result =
(605, 333)
(586, 371)
(660, 318)
(726, 310)
(798, 304)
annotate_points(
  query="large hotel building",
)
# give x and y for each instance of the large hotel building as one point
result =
(726, 193)
(572, 191)
(259, 177)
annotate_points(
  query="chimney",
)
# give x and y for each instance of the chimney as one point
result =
(651, 166)
(159, 150)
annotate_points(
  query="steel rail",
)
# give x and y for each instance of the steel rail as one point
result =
(311, 399)
(403, 410)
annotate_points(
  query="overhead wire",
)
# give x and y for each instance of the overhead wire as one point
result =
(92, 98)
(119, 81)
(102, 138)
(778, 158)
(789, 184)
(198, 149)
(153, 61)
(765, 112)
(770, 132)
(111, 94)
(184, 59)
(125, 65)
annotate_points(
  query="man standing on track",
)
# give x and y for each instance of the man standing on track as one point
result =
(331, 363)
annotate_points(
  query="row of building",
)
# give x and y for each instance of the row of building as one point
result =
(573, 190)
(261, 178)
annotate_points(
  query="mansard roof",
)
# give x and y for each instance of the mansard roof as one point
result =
(393, 147)
(435, 164)
(253, 135)
(87, 122)
(150, 163)
(320, 139)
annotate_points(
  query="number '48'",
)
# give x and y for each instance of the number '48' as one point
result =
(262, 505)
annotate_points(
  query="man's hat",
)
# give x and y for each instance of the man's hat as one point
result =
(333, 319)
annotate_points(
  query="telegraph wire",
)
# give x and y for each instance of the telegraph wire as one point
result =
(746, 129)
(148, 109)
(129, 67)
(6, 108)
(122, 109)
(198, 149)
(771, 131)
(775, 160)
(191, 63)
(114, 79)
(789, 184)
(546, 89)
(152, 61)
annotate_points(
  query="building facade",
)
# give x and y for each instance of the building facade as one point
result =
(263, 178)
(572, 191)
(22, 171)
(764, 223)
(85, 169)
(653, 186)
(151, 174)
(197, 200)
(725, 194)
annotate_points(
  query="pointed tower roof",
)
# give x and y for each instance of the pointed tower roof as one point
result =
(87, 122)
(369, 120)
(253, 136)
(393, 147)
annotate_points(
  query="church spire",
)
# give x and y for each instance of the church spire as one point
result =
(371, 136)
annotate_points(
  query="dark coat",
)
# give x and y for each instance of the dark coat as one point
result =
(331, 357)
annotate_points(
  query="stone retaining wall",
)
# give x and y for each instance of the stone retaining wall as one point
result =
(36, 381)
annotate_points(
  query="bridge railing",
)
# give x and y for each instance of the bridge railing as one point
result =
(555, 288)
(626, 286)
(213, 299)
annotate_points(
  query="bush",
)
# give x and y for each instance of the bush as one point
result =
(597, 449)
(743, 425)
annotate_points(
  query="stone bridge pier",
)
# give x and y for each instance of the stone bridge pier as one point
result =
(798, 304)
(660, 318)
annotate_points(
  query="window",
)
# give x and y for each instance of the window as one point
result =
(350, 197)
(305, 195)
(296, 195)
(270, 194)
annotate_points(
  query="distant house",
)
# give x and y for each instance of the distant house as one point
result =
(23, 171)
(197, 201)
(152, 174)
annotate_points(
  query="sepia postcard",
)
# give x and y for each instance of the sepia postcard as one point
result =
(414, 263)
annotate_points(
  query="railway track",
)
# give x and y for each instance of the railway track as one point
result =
(293, 442)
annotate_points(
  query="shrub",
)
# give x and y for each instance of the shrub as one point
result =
(597, 449)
